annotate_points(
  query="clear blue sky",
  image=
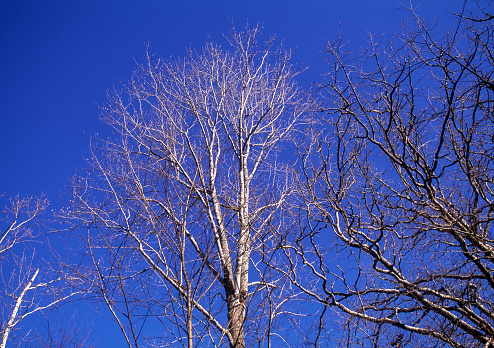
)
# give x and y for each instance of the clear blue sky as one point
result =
(58, 58)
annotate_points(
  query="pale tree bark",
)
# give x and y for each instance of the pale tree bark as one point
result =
(399, 184)
(183, 198)
(13, 316)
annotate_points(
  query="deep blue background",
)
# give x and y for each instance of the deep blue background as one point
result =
(58, 58)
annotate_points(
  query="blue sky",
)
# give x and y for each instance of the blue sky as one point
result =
(58, 58)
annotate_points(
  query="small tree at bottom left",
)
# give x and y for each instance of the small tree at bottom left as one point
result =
(28, 284)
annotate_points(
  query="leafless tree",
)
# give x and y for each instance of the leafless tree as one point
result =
(26, 287)
(179, 209)
(399, 184)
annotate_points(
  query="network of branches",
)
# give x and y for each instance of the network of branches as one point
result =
(231, 208)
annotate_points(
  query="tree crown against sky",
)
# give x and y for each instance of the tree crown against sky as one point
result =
(198, 226)
(31, 284)
(401, 173)
(182, 201)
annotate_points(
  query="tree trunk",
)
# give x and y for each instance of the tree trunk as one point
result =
(17, 307)
(235, 319)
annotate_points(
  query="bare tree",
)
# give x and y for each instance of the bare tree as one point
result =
(399, 185)
(179, 210)
(26, 287)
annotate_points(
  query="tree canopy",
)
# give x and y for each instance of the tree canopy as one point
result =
(231, 208)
